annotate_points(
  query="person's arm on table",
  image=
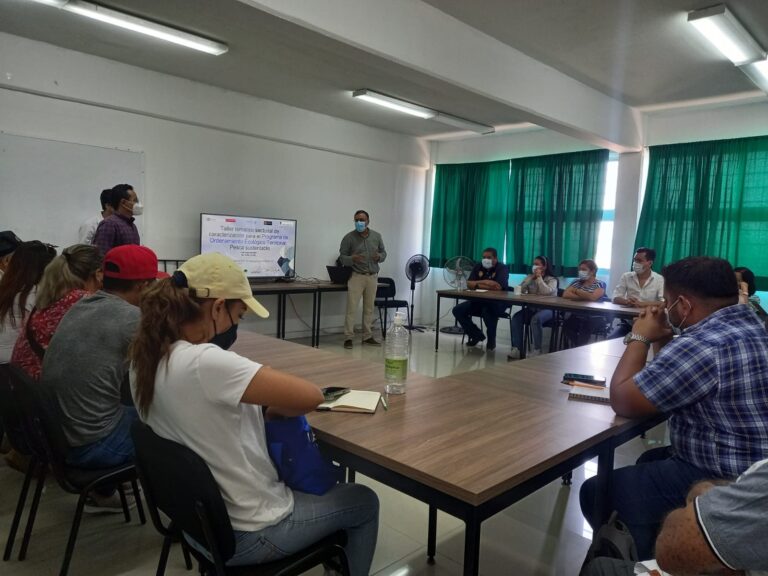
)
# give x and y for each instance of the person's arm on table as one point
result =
(284, 394)
(620, 292)
(626, 398)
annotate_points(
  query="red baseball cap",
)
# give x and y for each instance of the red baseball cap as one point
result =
(131, 262)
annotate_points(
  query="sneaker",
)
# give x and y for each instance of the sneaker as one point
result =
(371, 341)
(514, 354)
(348, 344)
(533, 353)
(98, 504)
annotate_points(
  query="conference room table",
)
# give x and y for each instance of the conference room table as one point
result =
(284, 289)
(470, 444)
(556, 303)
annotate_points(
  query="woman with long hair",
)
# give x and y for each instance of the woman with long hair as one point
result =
(18, 288)
(190, 389)
(542, 282)
(75, 273)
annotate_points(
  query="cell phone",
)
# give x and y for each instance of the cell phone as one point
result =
(586, 378)
(333, 392)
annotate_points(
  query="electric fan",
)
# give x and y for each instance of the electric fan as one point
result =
(416, 269)
(456, 272)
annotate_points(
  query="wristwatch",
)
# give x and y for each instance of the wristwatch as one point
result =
(639, 337)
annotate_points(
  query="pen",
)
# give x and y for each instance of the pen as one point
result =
(383, 402)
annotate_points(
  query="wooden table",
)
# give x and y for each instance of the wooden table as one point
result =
(555, 303)
(470, 444)
(284, 289)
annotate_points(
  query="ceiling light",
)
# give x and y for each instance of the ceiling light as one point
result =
(758, 73)
(394, 103)
(720, 27)
(140, 25)
(420, 111)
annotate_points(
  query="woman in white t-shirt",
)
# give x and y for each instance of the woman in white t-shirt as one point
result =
(17, 290)
(209, 399)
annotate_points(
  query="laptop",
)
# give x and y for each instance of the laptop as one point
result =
(339, 274)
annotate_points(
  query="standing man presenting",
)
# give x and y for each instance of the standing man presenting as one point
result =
(362, 250)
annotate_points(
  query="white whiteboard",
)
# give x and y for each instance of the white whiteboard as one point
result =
(48, 188)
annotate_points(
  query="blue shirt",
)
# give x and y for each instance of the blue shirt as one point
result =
(713, 383)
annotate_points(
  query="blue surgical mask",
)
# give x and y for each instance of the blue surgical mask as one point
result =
(360, 226)
(487, 263)
(583, 274)
(226, 339)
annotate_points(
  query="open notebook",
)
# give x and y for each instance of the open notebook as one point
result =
(353, 401)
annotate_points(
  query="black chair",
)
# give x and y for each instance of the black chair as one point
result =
(385, 301)
(179, 483)
(48, 447)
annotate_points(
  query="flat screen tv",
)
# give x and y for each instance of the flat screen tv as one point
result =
(264, 247)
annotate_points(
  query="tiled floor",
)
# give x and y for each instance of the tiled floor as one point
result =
(543, 534)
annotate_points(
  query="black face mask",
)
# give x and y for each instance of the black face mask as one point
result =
(226, 339)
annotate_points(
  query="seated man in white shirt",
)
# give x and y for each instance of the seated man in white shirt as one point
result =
(641, 287)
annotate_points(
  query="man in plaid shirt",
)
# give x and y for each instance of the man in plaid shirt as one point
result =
(712, 382)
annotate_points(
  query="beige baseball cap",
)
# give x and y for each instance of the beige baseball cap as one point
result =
(214, 275)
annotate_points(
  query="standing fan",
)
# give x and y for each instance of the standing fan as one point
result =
(416, 269)
(456, 272)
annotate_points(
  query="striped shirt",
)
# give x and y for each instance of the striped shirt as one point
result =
(713, 383)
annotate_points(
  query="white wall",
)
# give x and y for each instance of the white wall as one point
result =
(208, 149)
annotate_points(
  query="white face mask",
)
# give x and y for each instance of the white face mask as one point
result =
(138, 209)
(583, 274)
(487, 263)
(535, 267)
(638, 268)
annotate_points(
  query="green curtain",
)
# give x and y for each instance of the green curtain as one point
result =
(708, 198)
(555, 208)
(469, 210)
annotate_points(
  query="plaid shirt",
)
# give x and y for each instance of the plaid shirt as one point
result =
(713, 383)
(115, 231)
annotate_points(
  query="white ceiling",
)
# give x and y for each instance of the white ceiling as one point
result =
(640, 52)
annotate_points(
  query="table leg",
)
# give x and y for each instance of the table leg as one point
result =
(316, 322)
(437, 325)
(279, 314)
(526, 330)
(603, 502)
(350, 476)
(472, 546)
(386, 318)
(432, 535)
(285, 310)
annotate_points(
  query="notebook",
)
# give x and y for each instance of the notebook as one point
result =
(590, 394)
(361, 401)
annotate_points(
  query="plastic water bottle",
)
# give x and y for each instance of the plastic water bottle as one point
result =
(396, 349)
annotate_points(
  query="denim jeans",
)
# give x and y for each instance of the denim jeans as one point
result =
(488, 311)
(112, 450)
(645, 493)
(350, 507)
(536, 320)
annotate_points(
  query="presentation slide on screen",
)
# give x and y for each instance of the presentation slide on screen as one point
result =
(264, 247)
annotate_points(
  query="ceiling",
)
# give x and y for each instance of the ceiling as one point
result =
(638, 51)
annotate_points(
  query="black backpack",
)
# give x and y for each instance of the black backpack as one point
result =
(612, 540)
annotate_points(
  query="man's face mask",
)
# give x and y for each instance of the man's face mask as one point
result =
(226, 339)
(676, 330)
(487, 263)
(360, 225)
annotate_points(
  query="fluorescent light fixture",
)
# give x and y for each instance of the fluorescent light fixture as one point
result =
(394, 103)
(721, 28)
(420, 111)
(462, 123)
(139, 25)
(758, 73)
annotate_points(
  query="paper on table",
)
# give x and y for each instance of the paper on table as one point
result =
(480, 290)
(647, 566)
(353, 401)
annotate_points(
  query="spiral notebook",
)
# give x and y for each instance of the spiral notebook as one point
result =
(590, 394)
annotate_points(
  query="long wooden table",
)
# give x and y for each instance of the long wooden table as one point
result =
(284, 289)
(470, 444)
(555, 303)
